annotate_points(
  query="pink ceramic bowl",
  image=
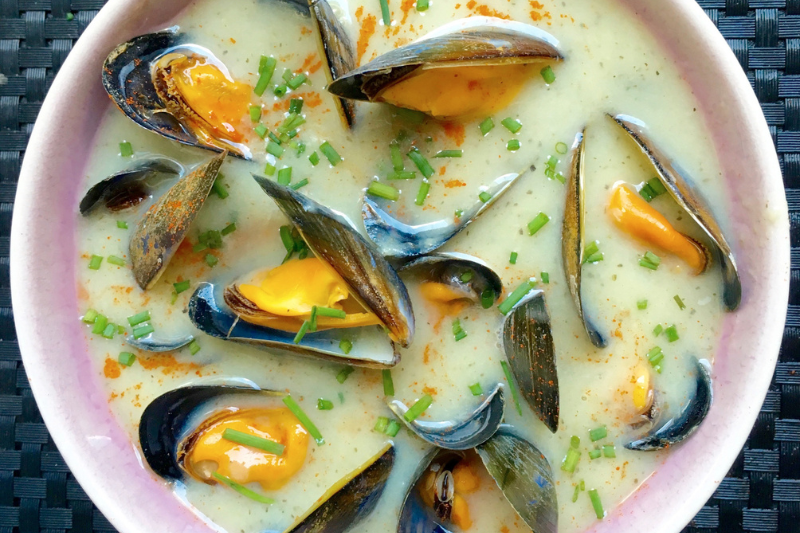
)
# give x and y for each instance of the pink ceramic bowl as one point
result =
(108, 465)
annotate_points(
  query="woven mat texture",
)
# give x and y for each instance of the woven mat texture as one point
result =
(39, 494)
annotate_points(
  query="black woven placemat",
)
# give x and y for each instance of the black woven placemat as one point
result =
(37, 490)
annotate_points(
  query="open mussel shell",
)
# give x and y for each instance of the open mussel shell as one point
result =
(370, 346)
(528, 345)
(165, 224)
(466, 274)
(156, 344)
(332, 238)
(417, 516)
(169, 420)
(473, 41)
(351, 499)
(674, 430)
(479, 426)
(678, 183)
(131, 186)
(572, 237)
(397, 239)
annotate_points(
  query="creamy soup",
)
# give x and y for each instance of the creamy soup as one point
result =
(612, 65)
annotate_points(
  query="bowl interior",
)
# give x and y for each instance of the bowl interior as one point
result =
(72, 398)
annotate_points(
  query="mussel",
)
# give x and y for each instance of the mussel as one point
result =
(165, 224)
(475, 429)
(467, 68)
(528, 345)
(437, 498)
(678, 183)
(663, 433)
(397, 239)
(572, 250)
(156, 344)
(130, 187)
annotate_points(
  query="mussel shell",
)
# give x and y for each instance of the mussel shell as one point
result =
(351, 499)
(528, 345)
(156, 344)
(448, 267)
(572, 237)
(472, 41)
(164, 226)
(678, 183)
(679, 428)
(332, 238)
(465, 434)
(397, 239)
(525, 477)
(165, 423)
(417, 516)
(209, 313)
(131, 186)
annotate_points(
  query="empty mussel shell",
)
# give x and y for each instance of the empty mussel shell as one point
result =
(464, 274)
(332, 238)
(131, 186)
(676, 429)
(572, 230)
(165, 224)
(476, 428)
(678, 183)
(397, 239)
(528, 345)
(156, 344)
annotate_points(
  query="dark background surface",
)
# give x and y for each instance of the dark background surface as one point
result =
(39, 494)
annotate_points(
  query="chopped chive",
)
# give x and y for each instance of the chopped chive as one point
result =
(341, 397)
(551, 162)
(138, 318)
(458, 213)
(181, 286)
(571, 460)
(576, 493)
(382, 190)
(420, 162)
(324, 405)
(194, 347)
(575, 441)
(592, 248)
(287, 74)
(672, 333)
(653, 258)
(385, 13)
(422, 194)
(314, 158)
(295, 106)
(297, 81)
(449, 153)
(341, 377)
(598, 433)
(460, 335)
(332, 155)
(655, 356)
(545, 277)
(269, 169)
(548, 75)
(274, 149)
(141, 330)
(274, 138)
(422, 5)
(676, 298)
(301, 332)
(381, 424)
(114, 260)
(334, 313)
(266, 70)
(241, 489)
(90, 316)
(301, 147)
(647, 193)
(174, 298)
(126, 358)
(211, 260)
(487, 298)
(261, 130)
(300, 184)
(393, 428)
(594, 258)
(561, 148)
(401, 175)
(595, 454)
(657, 330)
(656, 185)
(345, 346)
(512, 384)
(125, 149)
(227, 230)
(476, 389)
(255, 113)
(513, 258)
(199, 247)
(121, 224)
(397, 157)
(513, 145)
(220, 189)
(484, 196)
(512, 125)
(516, 296)
(312, 320)
(280, 90)
(596, 503)
(647, 264)
(609, 451)
(388, 383)
(253, 441)
(110, 330)
(285, 176)
(70, 16)
(100, 323)
(583, 486)
(285, 233)
(95, 261)
(537, 223)
(418, 408)
(486, 126)
(303, 418)
(641, 304)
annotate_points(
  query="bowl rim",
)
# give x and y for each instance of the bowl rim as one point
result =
(90, 451)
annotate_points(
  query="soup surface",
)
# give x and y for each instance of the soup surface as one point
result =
(612, 65)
